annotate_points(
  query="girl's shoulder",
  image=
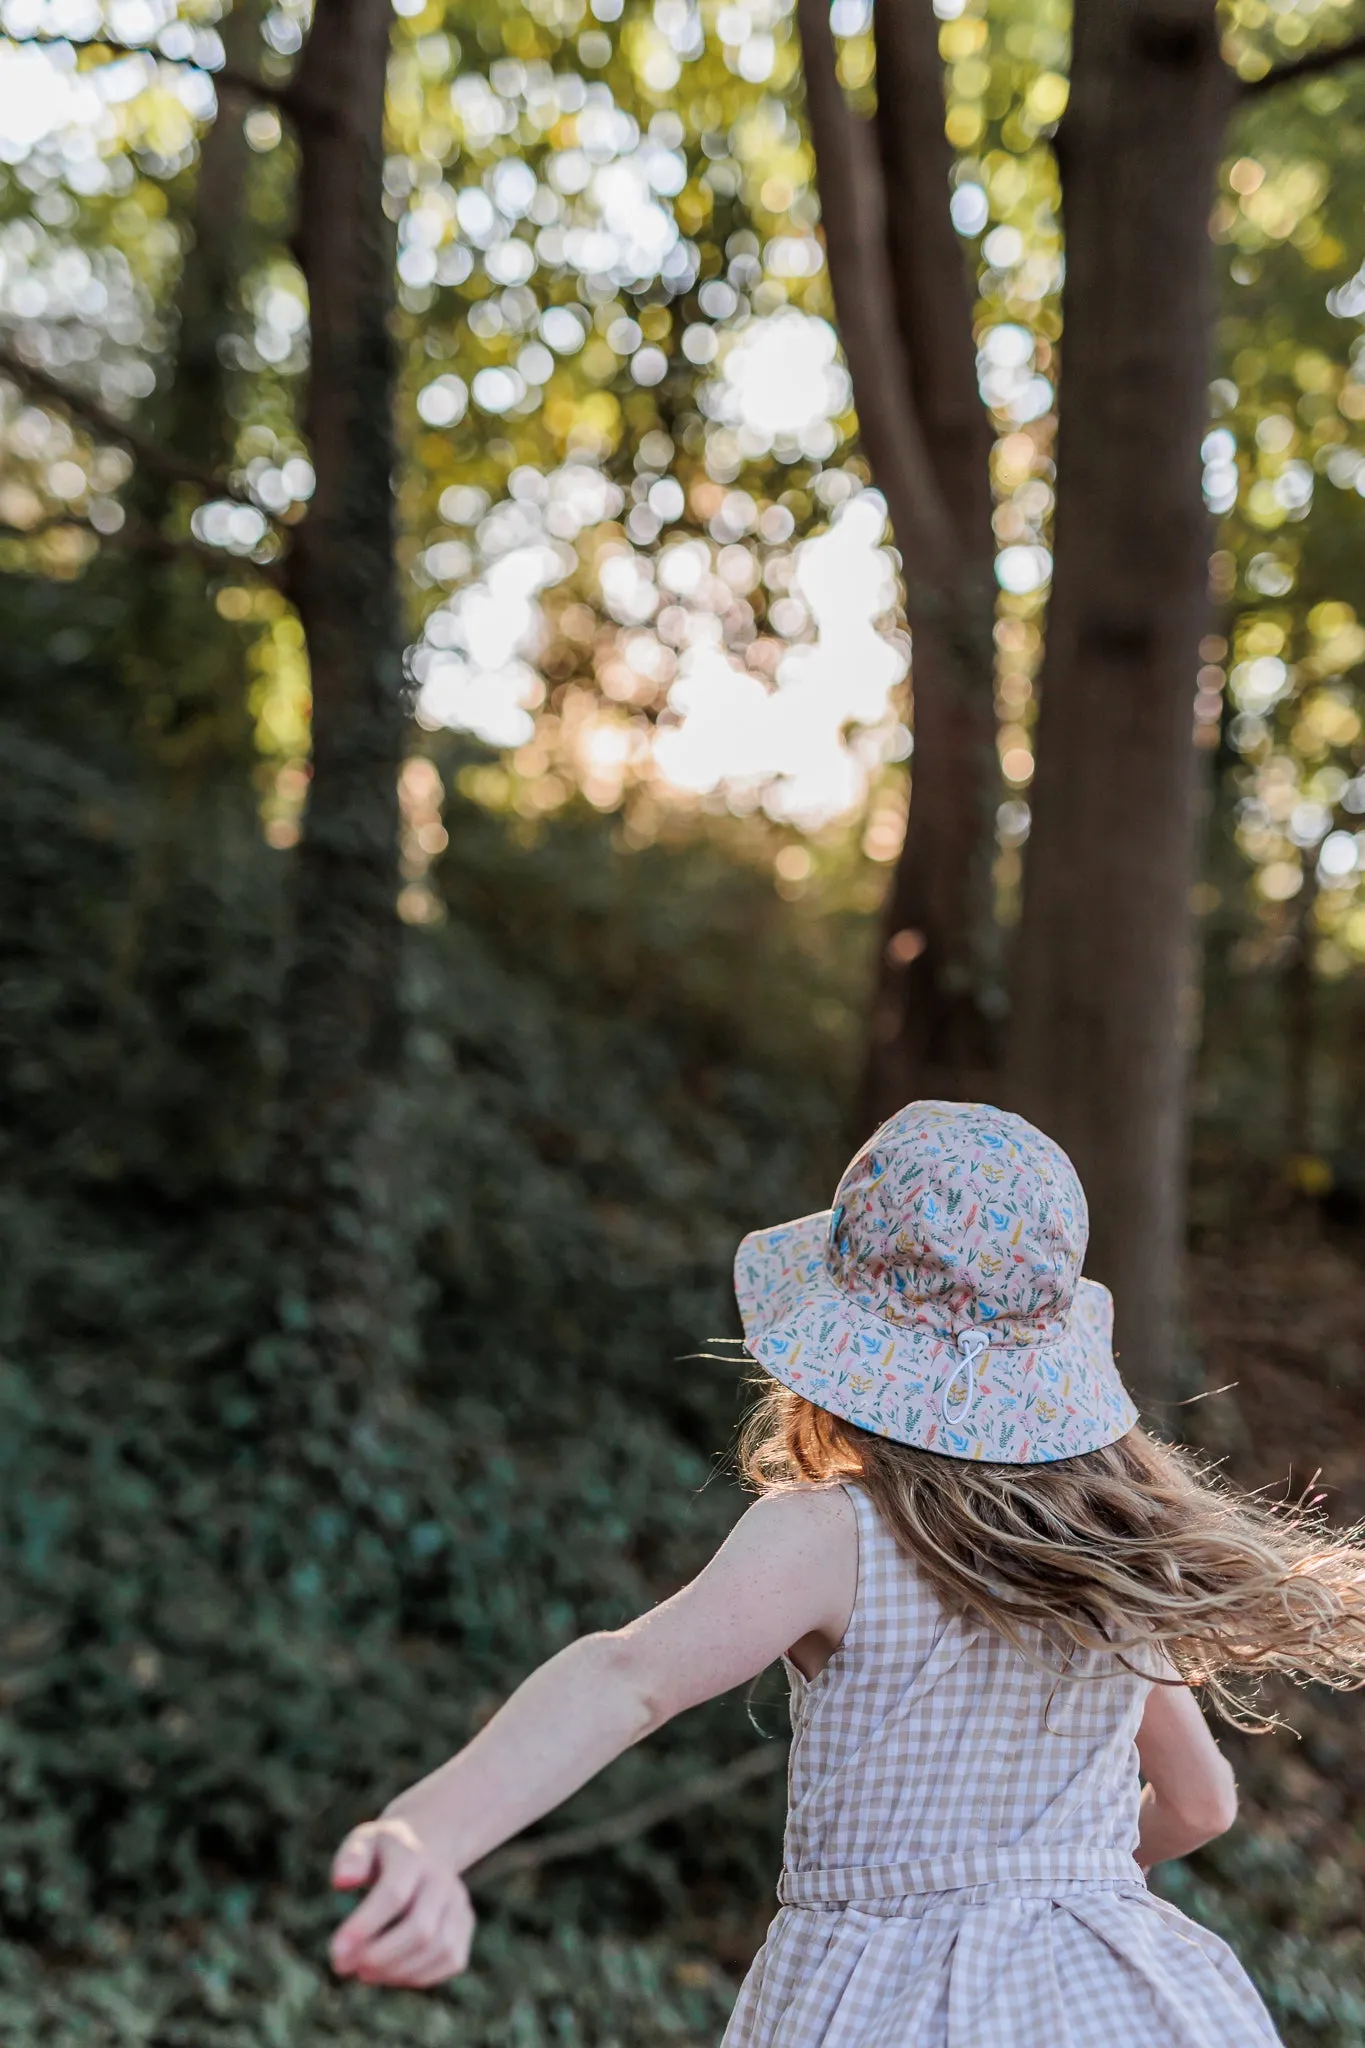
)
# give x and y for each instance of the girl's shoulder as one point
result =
(810, 1536)
(798, 1515)
(806, 1536)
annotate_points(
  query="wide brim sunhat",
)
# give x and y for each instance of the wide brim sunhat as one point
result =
(939, 1302)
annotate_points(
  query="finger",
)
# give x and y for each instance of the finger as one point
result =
(370, 1848)
(408, 1942)
(443, 1955)
(449, 1954)
(356, 1861)
(386, 1903)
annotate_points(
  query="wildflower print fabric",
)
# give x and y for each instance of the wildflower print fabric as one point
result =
(958, 1865)
(940, 1301)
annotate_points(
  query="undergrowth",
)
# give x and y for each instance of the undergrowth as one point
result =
(217, 1649)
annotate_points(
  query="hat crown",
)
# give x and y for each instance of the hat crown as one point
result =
(956, 1215)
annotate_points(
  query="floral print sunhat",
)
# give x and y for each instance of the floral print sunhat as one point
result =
(940, 1301)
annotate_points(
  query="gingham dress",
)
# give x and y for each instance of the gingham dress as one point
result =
(959, 1854)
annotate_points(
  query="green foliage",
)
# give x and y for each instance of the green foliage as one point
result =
(221, 1990)
(225, 1632)
(1294, 1920)
(230, 1621)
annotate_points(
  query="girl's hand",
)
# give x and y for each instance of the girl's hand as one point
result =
(416, 1925)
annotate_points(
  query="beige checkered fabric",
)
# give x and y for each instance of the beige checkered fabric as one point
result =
(959, 1854)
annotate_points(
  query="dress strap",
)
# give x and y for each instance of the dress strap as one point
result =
(1011, 1864)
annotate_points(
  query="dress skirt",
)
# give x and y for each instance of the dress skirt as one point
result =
(1089, 1966)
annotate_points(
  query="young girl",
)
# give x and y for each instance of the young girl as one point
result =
(990, 1589)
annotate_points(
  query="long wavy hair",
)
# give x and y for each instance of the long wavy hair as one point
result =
(1139, 1549)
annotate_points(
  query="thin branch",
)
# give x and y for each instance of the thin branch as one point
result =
(140, 539)
(247, 86)
(227, 79)
(109, 44)
(1310, 65)
(703, 1790)
(161, 461)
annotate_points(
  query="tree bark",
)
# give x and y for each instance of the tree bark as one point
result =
(1098, 1054)
(937, 1015)
(1301, 1021)
(908, 343)
(339, 1147)
(197, 423)
(932, 287)
(853, 206)
(196, 730)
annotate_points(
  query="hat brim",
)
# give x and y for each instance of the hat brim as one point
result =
(1033, 1404)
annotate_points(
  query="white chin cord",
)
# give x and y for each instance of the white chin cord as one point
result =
(970, 1346)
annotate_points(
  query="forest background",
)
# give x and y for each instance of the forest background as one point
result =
(456, 756)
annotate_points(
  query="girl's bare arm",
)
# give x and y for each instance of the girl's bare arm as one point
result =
(786, 1576)
(1190, 1794)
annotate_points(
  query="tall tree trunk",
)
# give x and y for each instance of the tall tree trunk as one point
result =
(908, 342)
(931, 284)
(853, 205)
(201, 722)
(196, 727)
(1098, 1052)
(339, 1156)
(937, 1015)
(197, 425)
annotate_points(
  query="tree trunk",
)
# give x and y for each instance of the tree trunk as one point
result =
(1300, 1023)
(933, 290)
(201, 723)
(1098, 1051)
(196, 420)
(937, 1015)
(339, 1149)
(853, 206)
(934, 1016)
(195, 728)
